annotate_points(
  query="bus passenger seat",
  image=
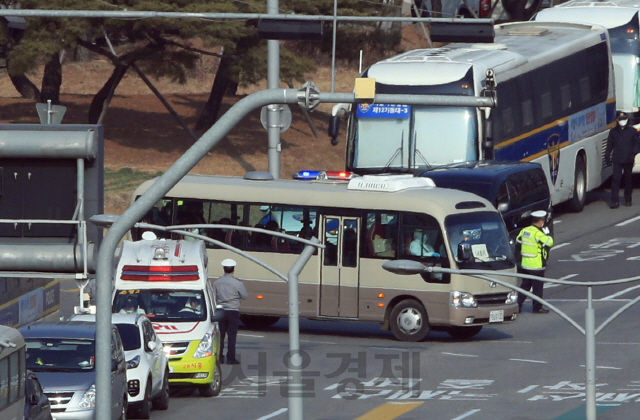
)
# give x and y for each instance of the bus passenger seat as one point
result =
(375, 232)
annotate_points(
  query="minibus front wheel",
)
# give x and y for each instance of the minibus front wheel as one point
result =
(409, 321)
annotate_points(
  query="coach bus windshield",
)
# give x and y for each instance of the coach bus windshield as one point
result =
(401, 136)
(479, 241)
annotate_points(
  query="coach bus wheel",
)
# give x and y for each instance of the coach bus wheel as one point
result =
(579, 186)
(409, 321)
(464, 332)
(258, 321)
(213, 389)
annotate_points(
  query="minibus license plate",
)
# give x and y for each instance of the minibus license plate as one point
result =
(496, 316)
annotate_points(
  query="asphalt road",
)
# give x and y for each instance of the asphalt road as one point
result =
(530, 369)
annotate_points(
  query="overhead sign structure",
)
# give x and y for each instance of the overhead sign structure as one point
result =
(285, 117)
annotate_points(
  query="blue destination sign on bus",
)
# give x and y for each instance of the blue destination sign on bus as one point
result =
(383, 111)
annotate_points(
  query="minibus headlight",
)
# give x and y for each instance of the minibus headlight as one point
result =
(463, 300)
(205, 348)
(88, 399)
(512, 298)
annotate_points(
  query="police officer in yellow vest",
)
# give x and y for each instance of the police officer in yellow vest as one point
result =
(535, 243)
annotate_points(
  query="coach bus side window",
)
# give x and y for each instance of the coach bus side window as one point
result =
(4, 382)
(14, 371)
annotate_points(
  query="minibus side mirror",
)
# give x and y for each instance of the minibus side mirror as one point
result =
(464, 252)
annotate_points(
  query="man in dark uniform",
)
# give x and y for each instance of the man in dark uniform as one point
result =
(622, 146)
(229, 292)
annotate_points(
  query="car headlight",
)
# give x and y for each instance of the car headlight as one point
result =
(512, 297)
(133, 363)
(205, 348)
(463, 300)
(89, 398)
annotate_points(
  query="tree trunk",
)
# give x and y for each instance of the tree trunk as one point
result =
(104, 94)
(221, 83)
(51, 80)
(24, 86)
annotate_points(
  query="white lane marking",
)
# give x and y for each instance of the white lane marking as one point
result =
(274, 414)
(458, 354)
(626, 222)
(605, 367)
(528, 361)
(389, 348)
(619, 344)
(504, 342)
(584, 300)
(549, 285)
(556, 221)
(251, 335)
(621, 292)
(317, 342)
(467, 414)
(560, 245)
(527, 389)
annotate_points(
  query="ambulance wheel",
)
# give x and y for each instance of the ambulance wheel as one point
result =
(213, 389)
(464, 332)
(409, 321)
(579, 186)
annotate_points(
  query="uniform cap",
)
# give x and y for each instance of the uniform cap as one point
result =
(539, 214)
(228, 263)
(623, 116)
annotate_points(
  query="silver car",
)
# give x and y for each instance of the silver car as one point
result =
(62, 354)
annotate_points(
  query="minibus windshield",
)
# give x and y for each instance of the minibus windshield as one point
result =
(479, 241)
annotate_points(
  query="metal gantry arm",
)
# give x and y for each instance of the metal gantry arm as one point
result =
(589, 330)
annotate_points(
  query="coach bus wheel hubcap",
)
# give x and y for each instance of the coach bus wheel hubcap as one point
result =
(409, 321)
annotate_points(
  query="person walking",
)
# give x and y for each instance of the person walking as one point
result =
(229, 291)
(622, 146)
(535, 243)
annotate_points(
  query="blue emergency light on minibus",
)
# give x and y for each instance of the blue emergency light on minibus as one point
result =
(306, 175)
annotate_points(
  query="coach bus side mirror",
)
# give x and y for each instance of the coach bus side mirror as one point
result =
(487, 141)
(334, 129)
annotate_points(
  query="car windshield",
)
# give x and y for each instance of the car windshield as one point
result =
(63, 355)
(479, 240)
(130, 335)
(162, 304)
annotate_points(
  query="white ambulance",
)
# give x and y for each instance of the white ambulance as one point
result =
(167, 281)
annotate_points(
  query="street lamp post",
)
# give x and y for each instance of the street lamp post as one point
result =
(409, 267)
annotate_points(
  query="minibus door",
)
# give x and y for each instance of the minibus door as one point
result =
(340, 266)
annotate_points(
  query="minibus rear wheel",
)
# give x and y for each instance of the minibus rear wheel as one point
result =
(409, 321)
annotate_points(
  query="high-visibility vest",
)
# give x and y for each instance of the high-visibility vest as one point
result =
(534, 247)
